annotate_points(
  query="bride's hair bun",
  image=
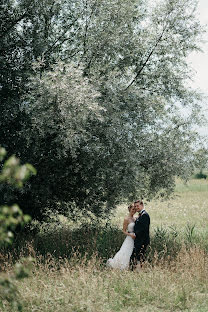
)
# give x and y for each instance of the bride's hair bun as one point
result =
(130, 206)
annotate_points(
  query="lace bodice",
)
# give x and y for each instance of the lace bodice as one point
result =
(130, 227)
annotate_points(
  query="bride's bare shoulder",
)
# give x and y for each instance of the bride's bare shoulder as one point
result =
(126, 219)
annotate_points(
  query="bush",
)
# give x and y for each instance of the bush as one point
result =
(62, 241)
(165, 244)
(200, 175)
(86, 240)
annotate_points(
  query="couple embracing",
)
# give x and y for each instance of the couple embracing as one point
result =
(137, 239)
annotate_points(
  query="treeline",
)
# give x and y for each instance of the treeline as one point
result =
(91, 95)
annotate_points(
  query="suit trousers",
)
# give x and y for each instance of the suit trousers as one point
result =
(138, 255)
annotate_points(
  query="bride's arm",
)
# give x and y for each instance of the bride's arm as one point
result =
(125, 225)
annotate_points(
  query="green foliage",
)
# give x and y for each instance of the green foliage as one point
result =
(201, 159)
(8, 289)
(165, 244)
(66, 105)
(2, 153)
(104, 124)
(201, 162)
(23, 268)
(200, 175)
(9, 292)
(190, 233)
(10, 218)
(62, 241)
(15, 174)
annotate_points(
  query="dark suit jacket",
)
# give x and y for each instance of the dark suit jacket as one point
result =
(141, 229)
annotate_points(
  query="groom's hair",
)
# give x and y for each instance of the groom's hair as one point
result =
(139, 201)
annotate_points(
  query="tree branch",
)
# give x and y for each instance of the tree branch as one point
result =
(150, 54)
(146, 61)
(54, 45)
(87, 22)
(13, 24)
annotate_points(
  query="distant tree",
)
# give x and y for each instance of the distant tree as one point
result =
(201, 162)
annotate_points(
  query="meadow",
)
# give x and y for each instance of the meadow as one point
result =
(188, 206)
(176, 278)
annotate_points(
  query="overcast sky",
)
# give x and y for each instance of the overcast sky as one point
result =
(199, 61)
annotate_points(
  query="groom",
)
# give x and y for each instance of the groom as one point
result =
(142, 239)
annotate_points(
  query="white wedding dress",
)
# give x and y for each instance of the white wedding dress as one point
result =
(122, 257)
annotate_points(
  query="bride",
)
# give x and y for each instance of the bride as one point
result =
(122, 258)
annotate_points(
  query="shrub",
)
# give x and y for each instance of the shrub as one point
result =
(62, 241)
(165, 244)
(200, 175)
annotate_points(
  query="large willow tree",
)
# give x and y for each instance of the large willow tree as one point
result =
(93, 95)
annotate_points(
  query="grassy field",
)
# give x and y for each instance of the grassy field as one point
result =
(189, 205)
(163, 286)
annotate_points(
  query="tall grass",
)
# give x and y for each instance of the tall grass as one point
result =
(77, 285)
(69, 272)
(61, 242)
